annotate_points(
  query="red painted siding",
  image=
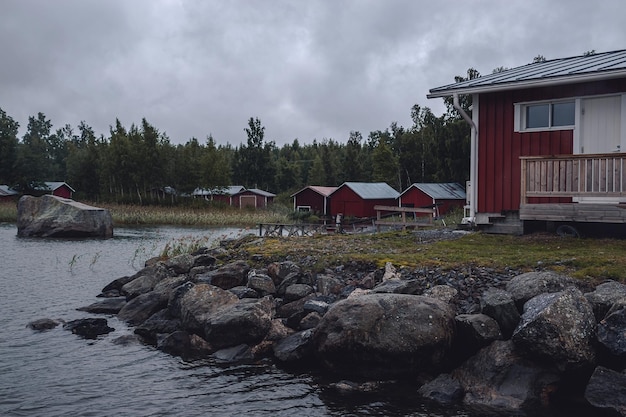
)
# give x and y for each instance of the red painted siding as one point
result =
(417, 198)
(244, 199)
(499, 148)
(63, 192)
(308, 197)
(347, 202)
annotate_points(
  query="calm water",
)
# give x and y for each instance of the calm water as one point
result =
(56, 373)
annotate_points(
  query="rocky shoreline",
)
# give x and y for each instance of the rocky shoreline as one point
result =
(500, 341)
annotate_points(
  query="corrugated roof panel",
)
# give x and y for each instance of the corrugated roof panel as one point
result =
(591, 66)
(373, 190)
(442, 191)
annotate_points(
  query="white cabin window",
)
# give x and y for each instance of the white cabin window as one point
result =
(558, 115)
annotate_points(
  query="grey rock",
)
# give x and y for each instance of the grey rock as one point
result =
(89, 328)
(140, 308)
(499, 305)
(106, 306)
(231, 275)
(385, 335)
(52, 216)
(559, 328)
(606, 390)
(297, 291)
(604, 296)
(262, 283)
(295, 347)
(43, 324)
(526, 286)
(444, 390)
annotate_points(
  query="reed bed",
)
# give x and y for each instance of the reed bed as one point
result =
(185, 216)
(8, 212)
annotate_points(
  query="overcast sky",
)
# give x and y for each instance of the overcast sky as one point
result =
(309, 70)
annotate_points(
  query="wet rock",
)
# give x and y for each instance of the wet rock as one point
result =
(160, 322)
(607, 391)
(500, 381)
(559, 328)
(247, 321)
(89, 328)
(234, 354)
(107, 306)
(140, 308)
(385, 335)
(145, 281)
(186, 345)
(526, 286)
(43, 324)
(604, 296)
(198, 303)
(444, 390)
(295, 347)
(499, 305)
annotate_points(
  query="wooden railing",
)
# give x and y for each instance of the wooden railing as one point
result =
(590, 175)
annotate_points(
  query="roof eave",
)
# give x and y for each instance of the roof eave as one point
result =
(519, 85)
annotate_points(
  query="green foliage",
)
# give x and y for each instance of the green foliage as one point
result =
(136, 165)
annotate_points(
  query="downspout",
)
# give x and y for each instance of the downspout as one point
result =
(473, 157)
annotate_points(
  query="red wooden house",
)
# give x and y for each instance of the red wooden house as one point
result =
(442, 196)
(313, 198)
(252, 198)
(357, 199)
(547, 142)
(58, 188)
(7, 193)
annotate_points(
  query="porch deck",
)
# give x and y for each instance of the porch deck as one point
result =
(596, 183)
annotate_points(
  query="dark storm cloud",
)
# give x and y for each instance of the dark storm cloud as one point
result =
(308, 70)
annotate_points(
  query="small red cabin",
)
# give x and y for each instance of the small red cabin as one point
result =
(7, 193)
(357, 199)
(252, 198)
(313, 198)
(442, 196)
(57, 188)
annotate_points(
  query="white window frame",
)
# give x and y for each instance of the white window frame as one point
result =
(520, 115)
(303, 209)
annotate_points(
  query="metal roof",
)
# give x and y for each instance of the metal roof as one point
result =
(53, 185)
(440, 191)
(259, 192)
(599, 66)
(324, 191)
(5, 190)
(372, 190)
(228, 190)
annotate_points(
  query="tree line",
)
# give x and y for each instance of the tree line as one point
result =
(130, 163)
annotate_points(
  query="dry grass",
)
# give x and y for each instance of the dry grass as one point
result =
(592, 259)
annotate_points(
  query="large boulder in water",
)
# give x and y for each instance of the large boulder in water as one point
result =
(52, 216)
(385, 335)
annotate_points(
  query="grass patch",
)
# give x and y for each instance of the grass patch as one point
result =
(590, 259)
(8, 211)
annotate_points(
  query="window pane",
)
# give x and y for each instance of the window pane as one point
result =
(563, 114)
(537, 116)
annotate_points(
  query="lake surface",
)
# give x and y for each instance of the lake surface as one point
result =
(56, 373)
